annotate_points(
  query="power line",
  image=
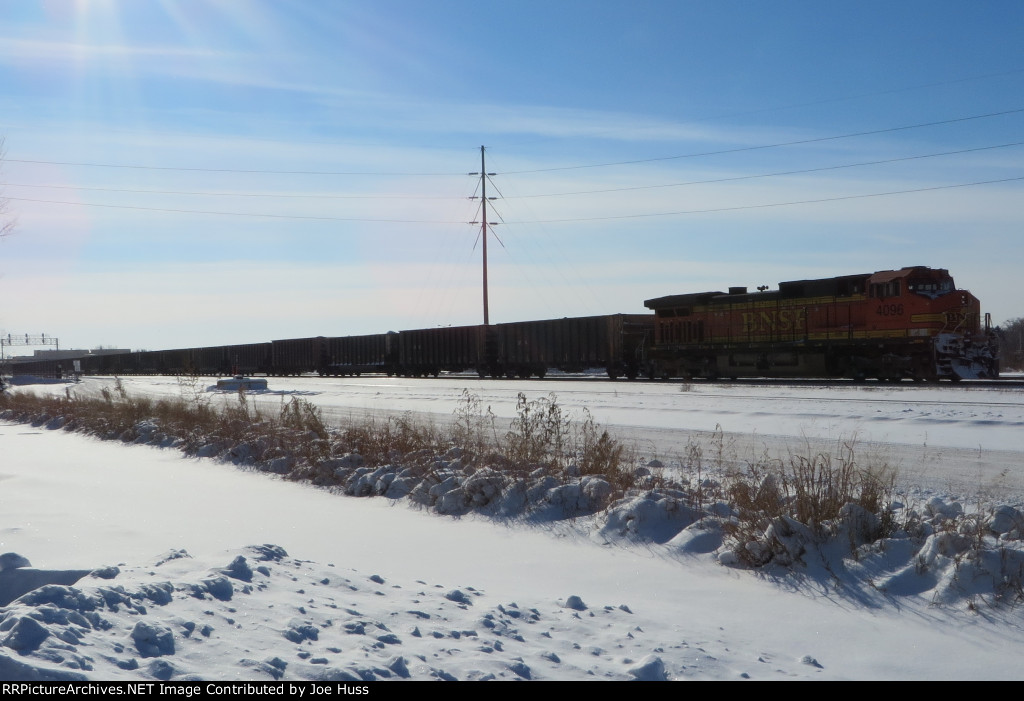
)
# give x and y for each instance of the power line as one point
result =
(522, 172)
(811, 103)
(208, 193)
(235, 194)
(846, 98)
(772, 204)
(537, 221)
(225, 170)
(768, 146)
(767, 175)
(235, 214)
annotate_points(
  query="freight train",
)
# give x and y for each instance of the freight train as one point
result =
(895, 324)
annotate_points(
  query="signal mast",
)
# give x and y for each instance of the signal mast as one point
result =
(17, 340)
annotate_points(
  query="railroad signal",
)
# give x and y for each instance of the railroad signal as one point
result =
(40, 340)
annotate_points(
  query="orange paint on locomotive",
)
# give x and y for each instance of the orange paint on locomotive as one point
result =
(870, 324)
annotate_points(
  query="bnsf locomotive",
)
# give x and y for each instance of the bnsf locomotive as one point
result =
(895, 324)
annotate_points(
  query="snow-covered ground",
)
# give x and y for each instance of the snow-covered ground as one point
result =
(962, 416)
(953, 439)
(372, 588)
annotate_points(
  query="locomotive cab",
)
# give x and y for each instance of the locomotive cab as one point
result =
(930, 283)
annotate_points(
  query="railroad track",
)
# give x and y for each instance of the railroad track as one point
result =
(1012, 383)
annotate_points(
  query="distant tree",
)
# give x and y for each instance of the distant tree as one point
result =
(1012, 343)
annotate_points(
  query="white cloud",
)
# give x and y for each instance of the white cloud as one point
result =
(14, 50)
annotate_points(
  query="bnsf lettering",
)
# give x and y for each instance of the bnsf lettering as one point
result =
(775, 321)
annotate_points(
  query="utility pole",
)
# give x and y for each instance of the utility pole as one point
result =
(483, 227)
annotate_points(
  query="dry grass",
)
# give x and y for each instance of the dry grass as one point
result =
(192, 420)
(542, 435)
(382, 442)
(811, 489)
(542, 439)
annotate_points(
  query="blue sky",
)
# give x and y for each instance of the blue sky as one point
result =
(299, 168)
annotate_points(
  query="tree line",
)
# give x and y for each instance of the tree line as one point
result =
(1012, 344)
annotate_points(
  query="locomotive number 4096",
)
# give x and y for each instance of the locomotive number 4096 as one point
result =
(889, 310)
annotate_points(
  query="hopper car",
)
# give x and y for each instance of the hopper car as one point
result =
(614, 343)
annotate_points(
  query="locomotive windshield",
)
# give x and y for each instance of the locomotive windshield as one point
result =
(931, 287)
